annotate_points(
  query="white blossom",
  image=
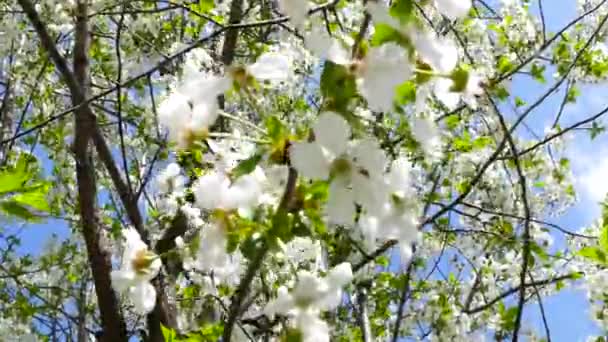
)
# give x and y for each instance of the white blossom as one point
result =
(453, 9)
(354, 166)
(215, 191)
(297, 10)
(139, 267)
(274, 67)
(383, 69)
(308, 298)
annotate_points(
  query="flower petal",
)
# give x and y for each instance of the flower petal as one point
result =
(297, 10)
(309, 160)
(174, 113)
(204, 88)
(453, 9)
(332, 132)
(386, 67)
(368, 155)
(442, 90)
(122, 279)
(440, 53)
(313, 328)
(209, 190)
(204, 115)
(143, 296)
(426, 133)
(271, 66)
(282, 304)
(243, 193)
(340, 275)
(340, 207)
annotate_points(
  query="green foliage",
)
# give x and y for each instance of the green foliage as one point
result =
(406, 93)
(22, 193)
(573, 93)
(385, 33)
(596, 129)
(598, 253)
(207, 333)
(246, 166)
(460, 78)
(168, 333)
(537, 72)
(338, 87)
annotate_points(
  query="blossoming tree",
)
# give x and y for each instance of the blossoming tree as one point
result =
(292, 170)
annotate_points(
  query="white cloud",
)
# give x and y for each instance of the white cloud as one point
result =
(593, 179)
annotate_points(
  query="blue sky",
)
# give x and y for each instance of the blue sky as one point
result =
(567, 312)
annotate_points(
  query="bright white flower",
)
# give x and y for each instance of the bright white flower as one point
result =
(173, 112)
(324, 47)
(215, 191)
(451, 99)
(212, 254)
(354, 168)
(272, 181)
(384, 68)
(396, 219)
(302, 249)
(427, 134)
(380, 14)
(310, 160)
(272, 67)
(190, 110)
(170, 180)
(200, 87)
(448, 97)
(297, 10)
(340, 204)
(314, 160)
(308, 298)
(453, 9)
(139, 267)
(440, 53)
(378, 74)
(473, 88)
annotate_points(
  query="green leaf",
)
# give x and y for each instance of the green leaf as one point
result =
(403, 10)
(205, 6)
(338, 86)
(292, 335)
(481, 142)
(460, 77)
(594, 254)
(603, 241)
(539, 251)
(424, 73)
(537, 72)
(13, 180)
(596, 129)
(275, 128)
(246, 166)
(504, 65)
(168, 333)
(501, 92)
(508, 317)
(34, 197)
(13, 208)
(406, 93)
(573, 94)
(452, 121)
(385, 33)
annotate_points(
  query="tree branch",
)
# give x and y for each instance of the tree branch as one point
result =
(513, 290)
(256, 261)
